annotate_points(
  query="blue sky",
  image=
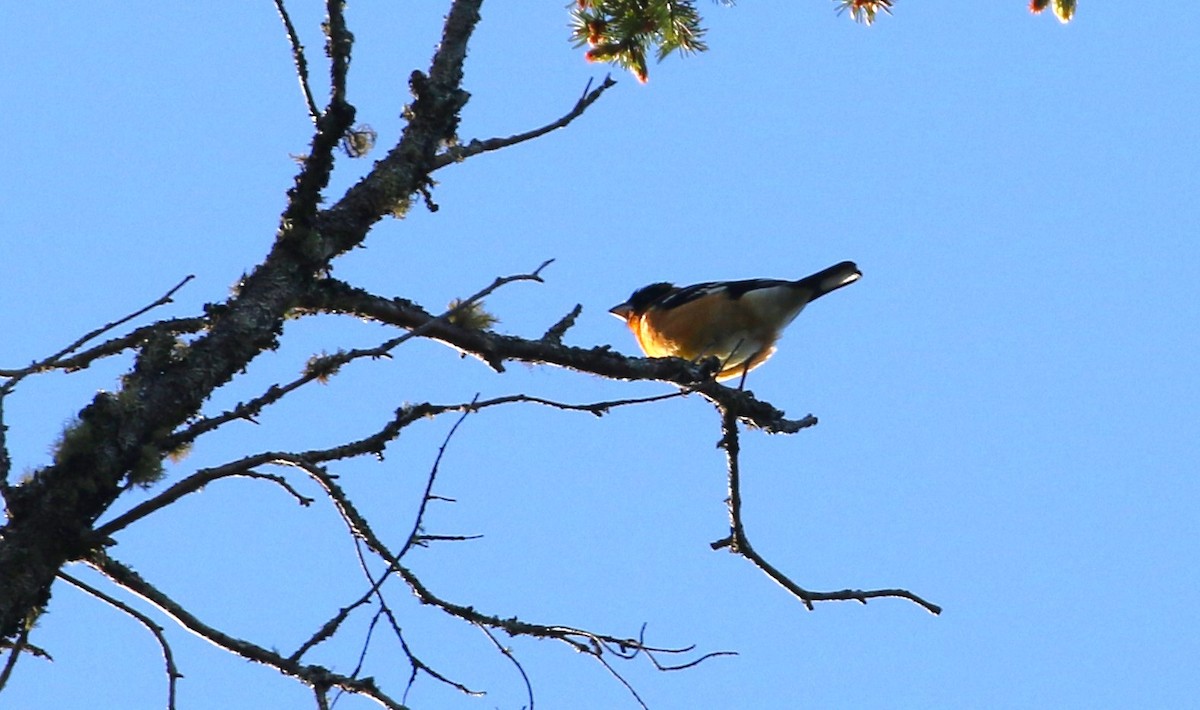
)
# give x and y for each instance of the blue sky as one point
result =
(1007, 398)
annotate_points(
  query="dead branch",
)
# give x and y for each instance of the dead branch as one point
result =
(507, 653)
(739, 543)
(333, 296)
(173, 673)
(314, 676)
(54, 361)
(457, 154)
(319, 369)
(299, 60)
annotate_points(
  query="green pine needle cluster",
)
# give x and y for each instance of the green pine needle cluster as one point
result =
(625, 32)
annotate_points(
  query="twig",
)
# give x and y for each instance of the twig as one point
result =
(173, 673)
(559, 329)
(135, 337)
(579, 639)
(433, 471)
(300, 61)
(196, 481)
(507, 653)
(618, 676)
(329, 364)
(738, 543)
(417, 663)
(494, 349)
(5, 459)
(51, 361)
(14, 652)
(314, 676)
(337, 45)
(649, 652)
(457, 154)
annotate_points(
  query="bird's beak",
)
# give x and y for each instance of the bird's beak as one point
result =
(622, 311)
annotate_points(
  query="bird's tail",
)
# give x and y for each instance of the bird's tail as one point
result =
(830, 279)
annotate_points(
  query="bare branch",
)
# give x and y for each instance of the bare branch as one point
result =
(421, 540)
(55, 359)
(338, 42)
(420, 666)
(507, 653)
(14, 652)
(300, 61)
(173, 673)
(619, 677)
(321, 368)
(457, 154)
(579, 639)
(372, 444)
(316, 677)
(332, 296)
(417, 664)
(432, 122)
(195, 482)
(738, 543)
(559, 329)
(173, 326)
(433, 471)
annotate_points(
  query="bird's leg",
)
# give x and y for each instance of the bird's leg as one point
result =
(732, 353)
(742, 381)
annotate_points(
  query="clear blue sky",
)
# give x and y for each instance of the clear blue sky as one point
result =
(1008, 398)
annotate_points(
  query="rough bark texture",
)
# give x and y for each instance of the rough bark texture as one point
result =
(52, 513)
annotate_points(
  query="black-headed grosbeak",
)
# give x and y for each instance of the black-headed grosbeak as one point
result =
(737, 322)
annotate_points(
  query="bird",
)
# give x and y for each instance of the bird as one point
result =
(737, 322)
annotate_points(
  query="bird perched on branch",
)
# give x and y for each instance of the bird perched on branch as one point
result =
(737, 322)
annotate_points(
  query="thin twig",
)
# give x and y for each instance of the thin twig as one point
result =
(314, 676)
(507, 653)
(52, 361)
(300, 61)
(173, 673)
(558, 330)
(14, 652)
(618, 676)
(457, 154)
(579, 639)
(433, 471)
(738, 543)
(417, 663)
(196, 481)
(323, 368)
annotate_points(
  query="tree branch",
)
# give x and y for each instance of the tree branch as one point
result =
(507, 653)
(457, 154)
(738, 543)
(299, 60)
(333, 296)
(316, 677)
(432, 122)
(173, 673)
(433, 471)
(320, 368)
(54, 360)
(195, 482)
